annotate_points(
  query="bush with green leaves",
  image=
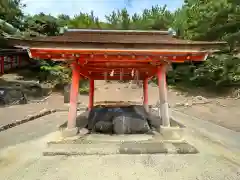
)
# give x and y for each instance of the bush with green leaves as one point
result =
(219, 70)
(55, 73)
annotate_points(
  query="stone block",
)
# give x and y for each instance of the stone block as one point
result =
(83, 131)
(69, 132)
(172, 133)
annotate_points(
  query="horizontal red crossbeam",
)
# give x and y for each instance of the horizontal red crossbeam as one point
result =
(157, 59)
(116, 75)
(106, 55)
(115, 51)
(94, 63)
(118, 78)
(175, 59)
(119, 65)
(117, 70)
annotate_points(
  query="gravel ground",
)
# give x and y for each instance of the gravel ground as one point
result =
(128, 167)
(21, 154)
(211, 163)
(219, 110)
(31, 130)
(24, 161)
(17, 112)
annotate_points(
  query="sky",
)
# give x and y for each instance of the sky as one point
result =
(100, 7)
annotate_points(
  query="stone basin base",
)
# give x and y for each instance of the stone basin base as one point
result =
(99, 144)
(82, 140)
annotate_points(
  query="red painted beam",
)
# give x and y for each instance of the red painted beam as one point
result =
(139, 59)
(155, 60)
(128, 75)
(82, 71)
(102, 66)
(118, 77)
(117, 74)
(115, 55)
(112, 51)
(117, 68)
(119, 65)
(93, 70)
(114, 58)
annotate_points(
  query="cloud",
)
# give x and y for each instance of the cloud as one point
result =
(100, 7)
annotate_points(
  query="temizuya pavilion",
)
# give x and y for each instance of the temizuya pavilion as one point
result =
(117, 55)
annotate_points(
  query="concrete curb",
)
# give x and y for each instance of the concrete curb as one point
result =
(216, 133)
(42, 113)
(83, 149)
(66, 109)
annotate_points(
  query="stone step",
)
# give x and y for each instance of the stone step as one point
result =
(106, 148)
(82, 149)
(119, 138)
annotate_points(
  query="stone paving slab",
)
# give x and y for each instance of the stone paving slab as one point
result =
(99, 144)
(100, 148)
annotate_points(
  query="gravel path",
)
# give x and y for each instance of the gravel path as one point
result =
(25, 162)
(17, 112)
(221, 111)
(204, 167)
(21, 154)
(32, 130)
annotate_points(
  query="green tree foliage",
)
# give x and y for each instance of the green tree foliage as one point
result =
(42, 23)
(221, 70)
(156, 18)
(196, 20)
(84, 20)
(62, 19)
(10, 11)
(209, 21)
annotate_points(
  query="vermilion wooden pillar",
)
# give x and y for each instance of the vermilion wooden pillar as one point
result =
(72, 115)
(145, 94)
(91, 94)
(164, 111)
